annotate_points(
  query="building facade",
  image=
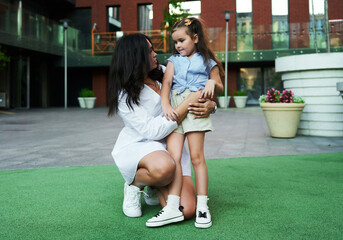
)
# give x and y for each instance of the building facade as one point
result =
(259, 32)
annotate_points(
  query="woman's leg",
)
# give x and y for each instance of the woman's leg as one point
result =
(155, 169)
(188, 198)
(175, 143)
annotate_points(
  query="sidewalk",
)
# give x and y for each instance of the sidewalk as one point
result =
(56, 137)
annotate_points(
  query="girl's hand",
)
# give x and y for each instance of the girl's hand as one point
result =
(208, 91)
(170, 113)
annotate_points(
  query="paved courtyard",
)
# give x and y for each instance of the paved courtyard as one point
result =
(56, 137)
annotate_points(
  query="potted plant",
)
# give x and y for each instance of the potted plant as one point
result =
(87, 98)
(221, 99)
(240, 98)
(282, 112)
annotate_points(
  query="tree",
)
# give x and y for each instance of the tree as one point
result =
(171, 16)
(174, 14)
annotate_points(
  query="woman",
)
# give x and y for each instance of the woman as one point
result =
(139, 152)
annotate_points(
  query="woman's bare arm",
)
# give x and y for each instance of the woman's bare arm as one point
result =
(182, 109)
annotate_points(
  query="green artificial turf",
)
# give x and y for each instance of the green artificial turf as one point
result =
(279, 197)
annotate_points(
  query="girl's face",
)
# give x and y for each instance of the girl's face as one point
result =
(152, 57)
(184, 44)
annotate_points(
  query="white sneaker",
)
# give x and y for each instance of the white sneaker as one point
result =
(203, 218)
(164, 217)
(151, 197)
(132, 201)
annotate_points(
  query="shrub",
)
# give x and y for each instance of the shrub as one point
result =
(240, 93)
(274, 96)
(85, 92)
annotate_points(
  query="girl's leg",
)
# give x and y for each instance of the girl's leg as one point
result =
(175, 143)
(196, 147)
(171, 212)
(188, 197)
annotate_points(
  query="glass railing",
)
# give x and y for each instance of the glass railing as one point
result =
(28, 28)
(300, 35)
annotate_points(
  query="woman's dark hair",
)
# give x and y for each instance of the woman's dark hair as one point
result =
(130, 66)
(196, 26)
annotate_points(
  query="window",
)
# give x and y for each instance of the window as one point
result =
(256, 81)
(145, 16)
(317, 30)
(193, 8)
(244, 25)
(114, 23)
(280, 35)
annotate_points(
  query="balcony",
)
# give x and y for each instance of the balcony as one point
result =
(261, 45)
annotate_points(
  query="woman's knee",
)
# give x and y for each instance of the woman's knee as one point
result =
(189, 210)
(163, 173)
(188, 197)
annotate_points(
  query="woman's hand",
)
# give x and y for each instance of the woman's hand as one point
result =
(202, 109)
(208, 91)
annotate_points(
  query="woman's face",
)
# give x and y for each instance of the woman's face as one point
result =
(152, 57)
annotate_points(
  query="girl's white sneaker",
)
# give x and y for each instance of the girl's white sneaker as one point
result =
(165, 216)
(203, 218)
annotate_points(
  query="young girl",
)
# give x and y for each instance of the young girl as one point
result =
(194, 67)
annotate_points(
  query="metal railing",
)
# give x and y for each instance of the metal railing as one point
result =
(104, 42)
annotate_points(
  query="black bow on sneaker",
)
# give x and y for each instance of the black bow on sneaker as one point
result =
(202, 214)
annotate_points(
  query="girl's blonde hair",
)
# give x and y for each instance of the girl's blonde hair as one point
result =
(196, 26)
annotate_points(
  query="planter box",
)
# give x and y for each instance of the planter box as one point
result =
(82, 102)
(282, 118)
(221, 100)
(90, 101)
(240, 101)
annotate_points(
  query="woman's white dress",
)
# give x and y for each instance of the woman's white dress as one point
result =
(144, 132)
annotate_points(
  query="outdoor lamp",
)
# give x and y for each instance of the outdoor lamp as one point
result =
(65, 27)
(227, 18)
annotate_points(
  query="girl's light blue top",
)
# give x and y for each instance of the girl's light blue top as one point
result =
(190, 73)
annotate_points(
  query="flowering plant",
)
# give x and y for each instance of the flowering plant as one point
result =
(275, 96)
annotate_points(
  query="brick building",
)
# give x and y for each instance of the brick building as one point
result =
(259, 32)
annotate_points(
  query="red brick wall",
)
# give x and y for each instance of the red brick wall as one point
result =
(335, 9)
(262, 20)
(298, 23)
(128, 12)
(211, 12)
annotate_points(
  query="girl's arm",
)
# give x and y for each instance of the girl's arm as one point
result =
(214, 85)
(168, 110)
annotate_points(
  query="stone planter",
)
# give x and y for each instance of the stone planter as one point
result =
(221, 100)
(282, 118)
(89, 102)
(82, 102)
(240, 101)
(314, 78)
